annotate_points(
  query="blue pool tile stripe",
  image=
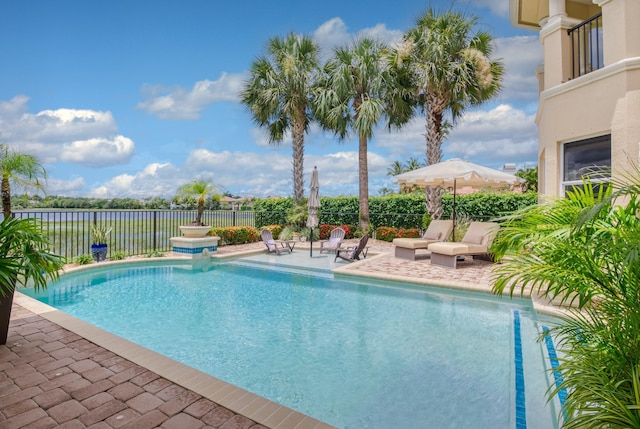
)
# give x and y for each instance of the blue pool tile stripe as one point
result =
(521, 412)
(557, 375)
(195, 250)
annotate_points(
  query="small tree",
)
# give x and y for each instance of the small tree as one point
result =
(24, 257)
(20, 169)
(200, 190)
(530, 176)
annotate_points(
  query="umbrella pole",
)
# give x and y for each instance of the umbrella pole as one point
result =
(453, 215)
(311, 243)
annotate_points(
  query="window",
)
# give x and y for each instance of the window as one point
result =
(590, 158)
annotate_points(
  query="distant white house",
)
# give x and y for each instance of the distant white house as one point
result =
(230, 203)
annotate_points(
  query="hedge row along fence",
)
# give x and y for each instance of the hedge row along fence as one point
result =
(398, 211)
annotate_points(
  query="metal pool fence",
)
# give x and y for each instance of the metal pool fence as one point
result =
(139, 232)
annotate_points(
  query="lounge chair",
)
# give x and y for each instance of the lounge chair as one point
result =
(476, 242)
(353, 253)
(438, 230)
(274, 246)
(334, 242)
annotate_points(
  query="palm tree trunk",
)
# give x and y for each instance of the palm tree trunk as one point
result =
(364, 184)
(433, 136)
(434, 201)
(297, 134)
(5, 190)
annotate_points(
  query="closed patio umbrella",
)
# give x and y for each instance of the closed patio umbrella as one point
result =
(454, 172)
(313, 205)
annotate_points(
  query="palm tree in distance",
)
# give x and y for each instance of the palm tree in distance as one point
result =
(278, 94)
(356, 91)
(200, 190)
(451, 69)
(18, 169)
(396, 168)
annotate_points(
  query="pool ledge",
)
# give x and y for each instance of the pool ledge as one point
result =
(250, 405)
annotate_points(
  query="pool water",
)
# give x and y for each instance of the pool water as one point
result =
(355, 354)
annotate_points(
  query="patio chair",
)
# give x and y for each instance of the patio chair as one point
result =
(352, 253)
(476, 242)
(334, 242)
(438, 230)
(274, 246)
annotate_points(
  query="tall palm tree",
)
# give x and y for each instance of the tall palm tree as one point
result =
(24, 259)
(357, 90)
(585, 249)
(200, 190)
(452, 70)
(278, 94)
(19, 169)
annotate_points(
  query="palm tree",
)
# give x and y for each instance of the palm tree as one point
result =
(200, 190)
(451, 69)
(358, 88)
(585, 249)
(278, 94)
(20, 169)
(396, 168)
(24, 258)
(412, 164)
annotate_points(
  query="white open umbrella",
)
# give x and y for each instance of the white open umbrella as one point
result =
(313, 205)
(454, 172)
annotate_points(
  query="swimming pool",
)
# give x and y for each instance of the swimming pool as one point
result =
(355, 354)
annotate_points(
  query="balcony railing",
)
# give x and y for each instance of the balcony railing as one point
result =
(586, 46)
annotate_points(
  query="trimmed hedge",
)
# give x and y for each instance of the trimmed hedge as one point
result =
(399, 211)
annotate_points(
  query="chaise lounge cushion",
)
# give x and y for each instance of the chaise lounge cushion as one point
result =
(476, 241)
(412, 243)
(457, 248)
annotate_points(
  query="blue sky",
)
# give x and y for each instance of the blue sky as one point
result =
(132, 98)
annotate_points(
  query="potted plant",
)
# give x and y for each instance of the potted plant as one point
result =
(24, 257)
(199, 189)
(99, 235)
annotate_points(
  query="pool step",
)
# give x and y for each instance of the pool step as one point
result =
(294, 269)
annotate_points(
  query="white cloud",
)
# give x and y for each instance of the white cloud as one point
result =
(64, 187)
(99, 152)
(334, 34)
(179, 103)
(246, 173)
(82, 136)
(503, 134)
(520, 55)
(498, 7)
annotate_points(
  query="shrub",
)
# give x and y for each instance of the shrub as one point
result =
(275, 229)
(155, 254)
(325, 230)
(84, 259)
(426, 220)
(286, 233)
(237, 234)
(388, 233)
(118, 256)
